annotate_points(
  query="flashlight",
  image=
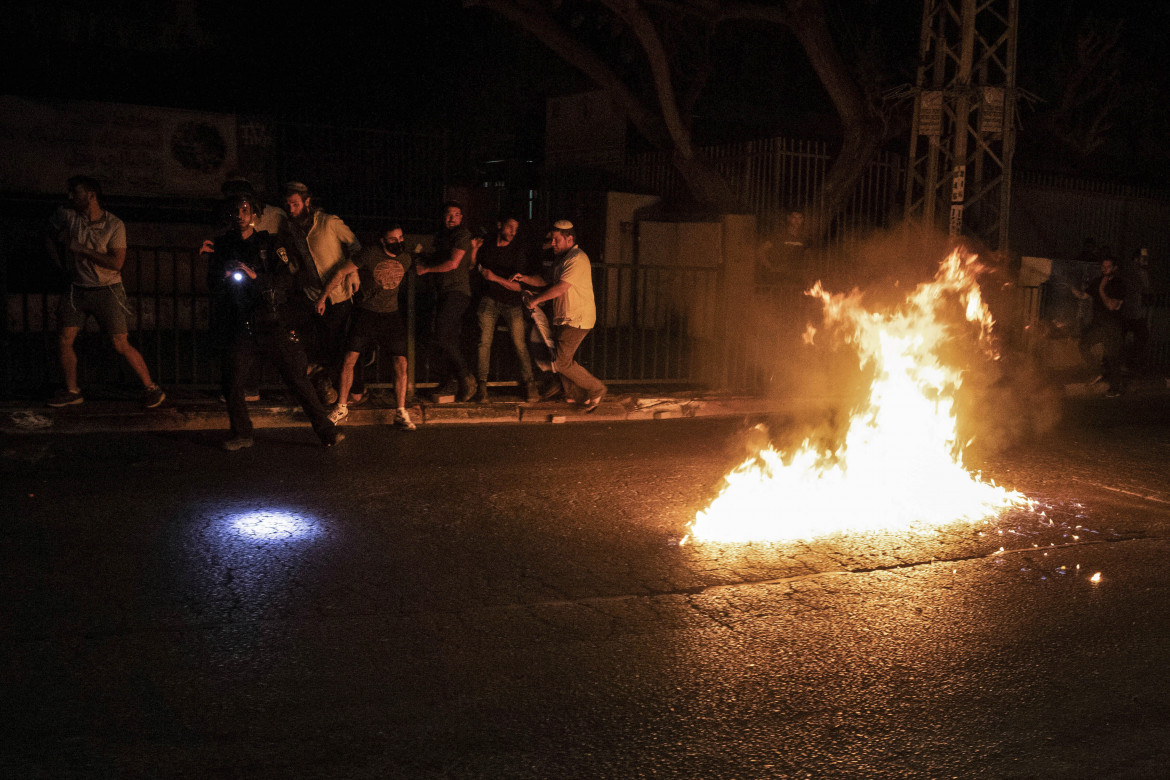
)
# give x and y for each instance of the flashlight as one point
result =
(238, 276)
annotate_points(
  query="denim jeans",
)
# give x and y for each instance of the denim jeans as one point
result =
(489, 312)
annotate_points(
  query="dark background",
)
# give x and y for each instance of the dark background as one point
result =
(427, 65)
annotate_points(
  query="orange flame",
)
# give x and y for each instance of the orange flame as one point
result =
(900, 466)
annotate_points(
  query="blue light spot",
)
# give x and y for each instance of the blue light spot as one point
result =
(274, 525)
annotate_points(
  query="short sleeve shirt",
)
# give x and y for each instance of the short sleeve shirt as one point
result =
(104, 234)
(371, 296)
(504, 261)
(576, 307)
(457, 279)
(1114, 288)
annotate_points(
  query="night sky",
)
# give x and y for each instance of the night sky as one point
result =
(428, 64)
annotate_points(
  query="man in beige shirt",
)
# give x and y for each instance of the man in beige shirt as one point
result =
(570, 288)
(331, 244)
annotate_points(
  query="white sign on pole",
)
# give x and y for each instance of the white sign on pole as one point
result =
(956, 228)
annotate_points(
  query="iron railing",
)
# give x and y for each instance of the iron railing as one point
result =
(655, 325)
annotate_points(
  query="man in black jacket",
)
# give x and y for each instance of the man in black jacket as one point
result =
(253, 278)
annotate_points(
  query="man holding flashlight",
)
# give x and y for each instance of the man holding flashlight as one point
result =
(252, 274)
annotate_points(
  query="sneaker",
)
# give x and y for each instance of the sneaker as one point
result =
(402, 420)
(338, 438)
(153, 397)
(593, 401)
(324, 387)
(339, 413)
(66, 398)
(532, 393)
(450, 387)
(467, 388)
(553, 392)
(481, 396)
(237, 443)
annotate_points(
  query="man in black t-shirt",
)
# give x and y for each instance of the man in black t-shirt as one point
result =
(1107, 291)
(498, 259)
(451, 265)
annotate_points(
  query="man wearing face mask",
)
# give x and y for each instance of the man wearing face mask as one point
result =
(376, 319)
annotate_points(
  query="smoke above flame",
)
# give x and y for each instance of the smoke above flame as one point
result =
(899, 464)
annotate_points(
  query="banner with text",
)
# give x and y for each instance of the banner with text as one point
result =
(138, 151)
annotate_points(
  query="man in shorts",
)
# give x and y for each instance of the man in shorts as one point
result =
(94, 244)
(376, 319)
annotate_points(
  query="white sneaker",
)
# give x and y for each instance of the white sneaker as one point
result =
(402, 420)
(339, 413)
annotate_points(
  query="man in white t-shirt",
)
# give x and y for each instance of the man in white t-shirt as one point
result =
(93, 250)
(570, 288)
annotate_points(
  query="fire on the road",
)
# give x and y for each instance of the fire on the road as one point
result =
(900, 465)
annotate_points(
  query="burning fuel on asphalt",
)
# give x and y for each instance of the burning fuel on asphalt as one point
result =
(899, 463)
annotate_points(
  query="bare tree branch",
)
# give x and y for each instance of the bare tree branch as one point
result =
(668, 126)
(536, 20)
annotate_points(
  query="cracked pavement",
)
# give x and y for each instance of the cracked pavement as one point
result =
(504, 602)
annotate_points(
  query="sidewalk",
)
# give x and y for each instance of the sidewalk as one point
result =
(186, 410)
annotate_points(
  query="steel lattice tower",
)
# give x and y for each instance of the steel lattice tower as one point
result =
(963, 135)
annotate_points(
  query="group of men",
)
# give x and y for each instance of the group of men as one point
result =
(294, 287)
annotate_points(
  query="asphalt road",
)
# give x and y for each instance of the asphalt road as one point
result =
(513, 602)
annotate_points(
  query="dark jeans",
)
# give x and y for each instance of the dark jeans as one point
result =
(1109, 334)
(490, 311)
(446, 341)
(1135, 350)
(285, 351)
(329, 349)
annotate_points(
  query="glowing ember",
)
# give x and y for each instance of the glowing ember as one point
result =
(900, 466)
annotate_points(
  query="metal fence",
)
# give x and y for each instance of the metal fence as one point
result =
(656, 325)
(773, 176)
(1054, 216)
(1033, 327)
(369, 175)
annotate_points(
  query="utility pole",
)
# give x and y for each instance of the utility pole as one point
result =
(963, 135)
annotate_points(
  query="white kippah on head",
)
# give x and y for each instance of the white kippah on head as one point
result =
(562, 224)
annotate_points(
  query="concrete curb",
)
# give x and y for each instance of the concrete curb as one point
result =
(202, 415)
(207, 414)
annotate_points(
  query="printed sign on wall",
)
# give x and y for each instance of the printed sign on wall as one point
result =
(138, 151)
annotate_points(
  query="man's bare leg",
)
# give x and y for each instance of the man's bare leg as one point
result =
(400, 380)
(68, 357)
(132, 356)
(346, 381)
